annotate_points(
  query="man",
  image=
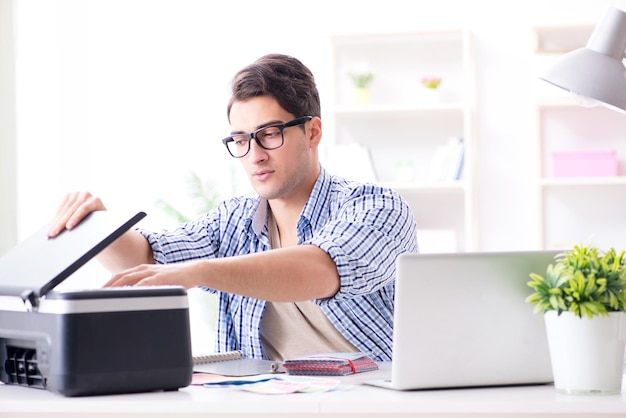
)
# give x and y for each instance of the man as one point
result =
(306, 267)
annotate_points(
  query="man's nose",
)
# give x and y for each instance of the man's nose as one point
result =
(257, 152)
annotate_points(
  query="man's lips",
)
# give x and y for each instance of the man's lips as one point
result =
(262, 175)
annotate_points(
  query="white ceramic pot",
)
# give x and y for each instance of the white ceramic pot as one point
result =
(430, 95)
(587, 354)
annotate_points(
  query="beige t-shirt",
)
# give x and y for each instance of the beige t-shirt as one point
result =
(293, 329)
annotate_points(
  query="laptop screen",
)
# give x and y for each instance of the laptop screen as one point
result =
(461, 320)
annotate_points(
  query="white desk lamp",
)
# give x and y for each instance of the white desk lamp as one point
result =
(595, 74)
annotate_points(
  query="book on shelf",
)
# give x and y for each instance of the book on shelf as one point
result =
(352, 162)
(447, 162)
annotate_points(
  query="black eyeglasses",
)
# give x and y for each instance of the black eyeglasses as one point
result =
(269, 137)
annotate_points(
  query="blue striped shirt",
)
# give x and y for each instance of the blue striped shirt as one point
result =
(363, 227)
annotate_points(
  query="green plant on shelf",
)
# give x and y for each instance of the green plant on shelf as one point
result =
(361, 75)
(361, 80)
(431, 82)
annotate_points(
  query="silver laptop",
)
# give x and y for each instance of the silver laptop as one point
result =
(461, 320)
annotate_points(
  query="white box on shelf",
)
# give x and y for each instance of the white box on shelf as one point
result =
(351, 161)
(437, 240)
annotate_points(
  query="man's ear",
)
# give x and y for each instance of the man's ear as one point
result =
(315, 131)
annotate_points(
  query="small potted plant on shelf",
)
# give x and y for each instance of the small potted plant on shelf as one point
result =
(583, 297)
(431, 82)
(431, 87)
(362, 78)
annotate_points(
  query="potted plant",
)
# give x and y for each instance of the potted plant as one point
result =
(431, 87)
(431, 82)
(583, 297)
(361, 77)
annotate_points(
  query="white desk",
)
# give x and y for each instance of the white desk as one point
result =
(356, 400)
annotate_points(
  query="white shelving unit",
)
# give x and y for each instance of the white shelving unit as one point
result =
(402, 125)
(575, 210)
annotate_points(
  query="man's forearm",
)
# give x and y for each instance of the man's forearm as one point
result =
(129, 250)
(287, 274)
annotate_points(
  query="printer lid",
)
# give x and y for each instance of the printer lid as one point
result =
(38, 264)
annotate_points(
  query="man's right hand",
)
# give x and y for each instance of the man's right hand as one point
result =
(74, 207)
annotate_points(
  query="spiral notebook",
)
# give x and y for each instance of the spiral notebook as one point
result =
(233, 363)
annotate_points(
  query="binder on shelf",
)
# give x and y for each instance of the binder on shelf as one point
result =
(351, 161)
(447, 162)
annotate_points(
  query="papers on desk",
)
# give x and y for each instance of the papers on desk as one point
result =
(264, 376)
(268, 384)
(292, 384)
(208, 379)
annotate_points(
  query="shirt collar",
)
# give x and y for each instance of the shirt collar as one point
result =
(318, 200)
(312, 210)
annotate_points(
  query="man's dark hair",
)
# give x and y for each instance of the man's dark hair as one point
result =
(282, 78)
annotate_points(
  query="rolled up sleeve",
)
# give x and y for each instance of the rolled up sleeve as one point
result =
(371, 228)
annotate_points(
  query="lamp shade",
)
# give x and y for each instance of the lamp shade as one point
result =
(596, 71)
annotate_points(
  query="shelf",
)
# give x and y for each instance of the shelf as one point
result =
(406, 131)
(449, 187)
(583, 181)
(573, 210)
(566, 100)
(560, 40)
(400, 108)
(368, 40)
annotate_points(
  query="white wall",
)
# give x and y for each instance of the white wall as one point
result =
(125, 97)
(8, 167)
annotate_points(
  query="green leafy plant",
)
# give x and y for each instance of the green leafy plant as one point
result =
(361, 74)
(201, 192)
(431, 82)
(584, 281)
(361, 80)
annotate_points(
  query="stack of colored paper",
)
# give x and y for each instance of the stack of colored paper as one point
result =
(330, 364)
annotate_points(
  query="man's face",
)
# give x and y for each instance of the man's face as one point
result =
(281, 173)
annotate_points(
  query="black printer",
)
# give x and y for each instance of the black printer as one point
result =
(88, 342)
